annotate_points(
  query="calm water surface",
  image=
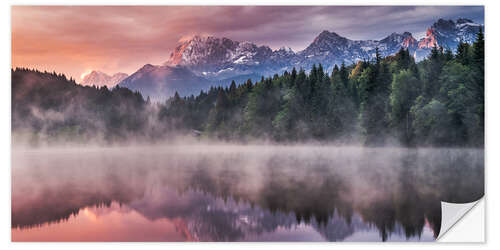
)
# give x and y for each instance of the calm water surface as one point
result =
(238, 193)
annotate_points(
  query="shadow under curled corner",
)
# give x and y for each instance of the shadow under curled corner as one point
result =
(452, 213)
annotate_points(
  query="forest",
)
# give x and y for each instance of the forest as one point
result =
(386, 101)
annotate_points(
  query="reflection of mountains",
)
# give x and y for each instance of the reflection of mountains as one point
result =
(230, 195)
(213, 219)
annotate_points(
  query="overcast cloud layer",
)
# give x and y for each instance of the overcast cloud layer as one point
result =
(74, 40)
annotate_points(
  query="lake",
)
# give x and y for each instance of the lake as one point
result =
(238, 192)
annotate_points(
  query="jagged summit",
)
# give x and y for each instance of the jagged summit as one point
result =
(448, 33)
(400, 38)
(98, 78)
(220, 58)
(463, 20)
(285, 49)
(212, 50)
(327, 39)
(325, 34)
(444, 24)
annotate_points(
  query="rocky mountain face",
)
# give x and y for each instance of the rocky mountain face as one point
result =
(99, 78)
(447, 34)
(330, 49)
(220, 58)
(212, 60)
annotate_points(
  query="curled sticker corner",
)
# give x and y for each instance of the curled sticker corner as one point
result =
(451, 213)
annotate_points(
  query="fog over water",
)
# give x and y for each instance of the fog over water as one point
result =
(230, 192)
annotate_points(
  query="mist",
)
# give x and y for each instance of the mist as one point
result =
(311, 184)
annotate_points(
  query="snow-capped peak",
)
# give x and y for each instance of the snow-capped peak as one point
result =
(98, 78)
(285, 49)
(448, 33)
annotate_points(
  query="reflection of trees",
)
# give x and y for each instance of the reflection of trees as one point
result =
(55, 192)
(425, 178)
(412, 187)
(316, 194)
(401, 191)
(55, 210)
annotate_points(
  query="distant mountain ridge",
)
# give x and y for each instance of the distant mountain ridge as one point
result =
(213, 60)
(99, 78)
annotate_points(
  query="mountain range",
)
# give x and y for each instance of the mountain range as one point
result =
(201, 62)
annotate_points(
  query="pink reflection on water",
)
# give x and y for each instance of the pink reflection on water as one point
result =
(114, 223)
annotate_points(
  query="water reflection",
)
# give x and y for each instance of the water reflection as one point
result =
(238, 193)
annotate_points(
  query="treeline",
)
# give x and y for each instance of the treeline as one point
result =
(49, 107)
(436, 102)
(439, 101)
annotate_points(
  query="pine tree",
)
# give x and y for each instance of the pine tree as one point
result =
(434, 65)
(479, 51)
(478, 87)
(219, 114)
(232, 93)
(462, 55)
(294, 73)
(344, 75)
(378, 58)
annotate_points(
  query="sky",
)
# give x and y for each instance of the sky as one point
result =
(77, 39)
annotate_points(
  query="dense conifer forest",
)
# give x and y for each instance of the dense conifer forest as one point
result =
(393, 100)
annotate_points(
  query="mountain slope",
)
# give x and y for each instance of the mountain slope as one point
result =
(159, 82)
